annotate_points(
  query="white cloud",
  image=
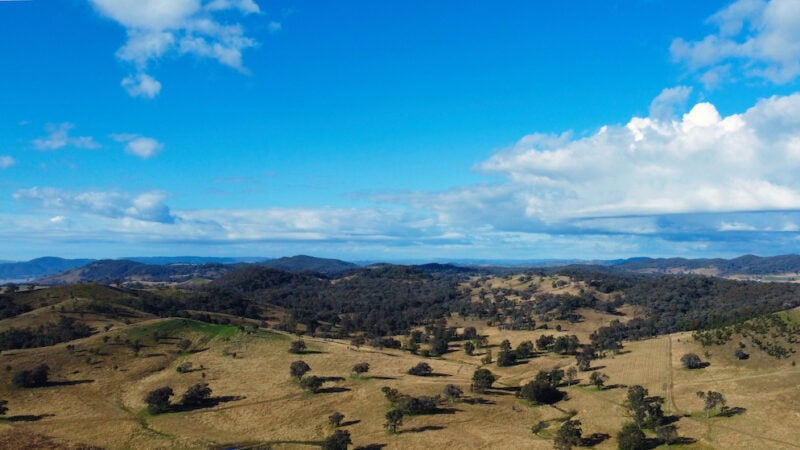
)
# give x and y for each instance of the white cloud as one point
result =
(147, 207)
(761, 37)
(274, 27)
(59, 137)
(700, 163)
(141, 146)
(6, 161)
(141, 85)
(156, 28)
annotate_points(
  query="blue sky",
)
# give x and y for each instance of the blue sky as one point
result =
(399, 130)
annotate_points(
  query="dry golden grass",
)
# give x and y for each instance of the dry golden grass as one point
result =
(266, 406)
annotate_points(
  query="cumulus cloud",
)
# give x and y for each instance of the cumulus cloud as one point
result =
(6, 161)
(141, 146)
(759, 38)
(141, 85)
(58, 137)
(147, 207)
(156, 28)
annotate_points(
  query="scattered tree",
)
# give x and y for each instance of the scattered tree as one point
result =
(524, 350)
(598, 379)
(298, 346)
(568, 435)
(645, 410)
(197, 395)
(453, 393)
(631, 437)
(35, 377)
(311, 383)
(482, 380)
(361, 368)
(487, 359)
(506, 358)
(339, 440)
(298, 369)
(469, 348)
(3, 407)
(470, 333)
(394, 419)
(667, 433)
(184, 345)
(691, 361)
(540, 391)
(505, 346)
(336, 419)
(158, 400)
(712, 400)
(422, 369)
(572, 374)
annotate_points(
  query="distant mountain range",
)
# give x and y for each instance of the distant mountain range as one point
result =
(52, 270)
(35, 268)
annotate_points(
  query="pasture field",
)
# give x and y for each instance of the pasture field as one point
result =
(97, 387)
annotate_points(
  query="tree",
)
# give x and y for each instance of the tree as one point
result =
(422, 369)
(158, 399)
(439, 346)
(584, 359)
(631, 437)
(197, 395)
(3, 407)
(469, 348)
(336, 419)
(568, 435)
(35, 377)
(482, 379)
(394, 419)
(598, 379)
(361, 368)
(298, 369)
(506, 358)
(298, 346)
(453, 393)
(505, 346)
(691, 361)
(667, 433)
(712, 400)
(540, 391)
(487, 359)
(645, 410)
(470, 333)
(524, 350)
(339, 440)
(545, 342)
(311, 383)
(572, 374)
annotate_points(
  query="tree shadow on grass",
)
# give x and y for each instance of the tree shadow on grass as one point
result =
(349, 422)
(331, 379)
(210, 403)
(28, 417)
(730, 412)
(614, 386)
(374, 377)
(371, 447)
(594, 439)
(478, 401)
(67, 383)
(423, 429)
(332, 390)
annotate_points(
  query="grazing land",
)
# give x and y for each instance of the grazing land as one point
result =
(97, 387)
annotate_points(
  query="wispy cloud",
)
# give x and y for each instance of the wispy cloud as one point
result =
(758, 38)
(147, 206)
(6, 161)
(157, 28)
(141, 146)
(58, 137)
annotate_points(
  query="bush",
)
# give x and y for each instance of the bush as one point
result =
(298, 346)
(196, 395)
(422, 369)
(158, 400)
(299, 368)
(691, 361)
(311, 383)
(35, 377)
(361, 368)
(339, 440)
